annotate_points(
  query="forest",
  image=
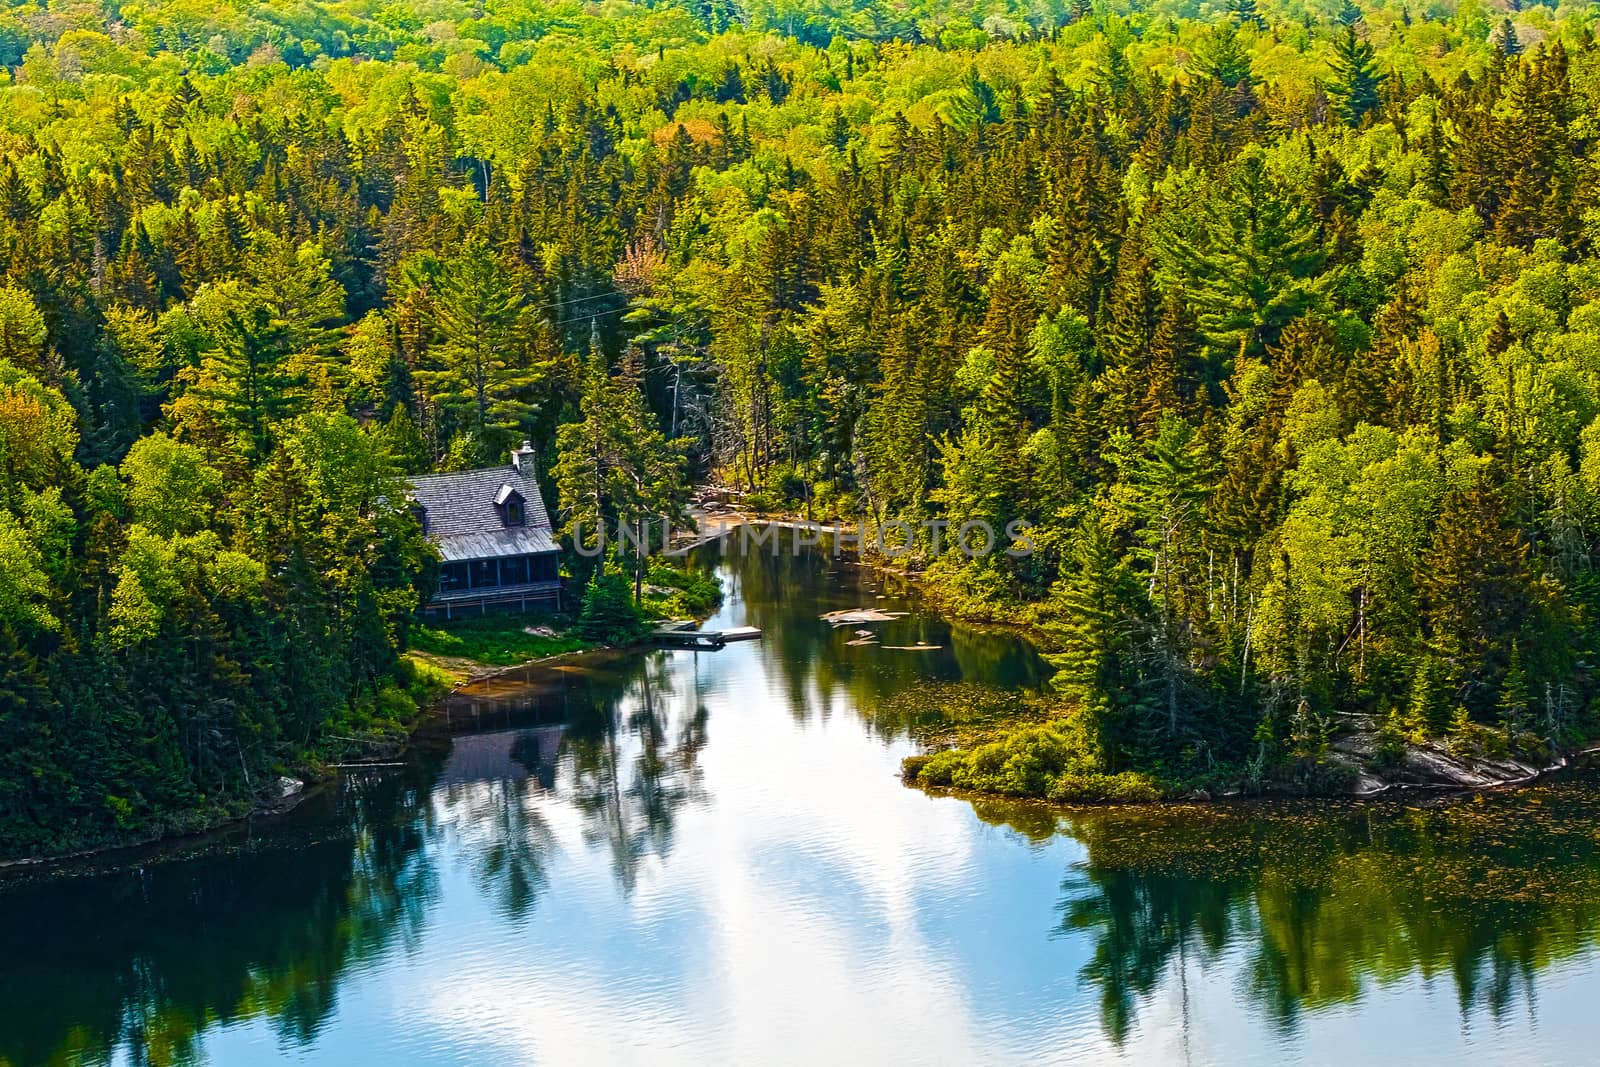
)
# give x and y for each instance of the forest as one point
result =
(1277, 324)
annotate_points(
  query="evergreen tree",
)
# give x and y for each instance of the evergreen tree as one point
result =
(1479, 595)
(1357, 82)
(1163, 489)
(1097, 669)
(479, 368)
(619, 479)
(1513, 707)
(1244, 13)
(1254, 265)
(249, 383)
(1504, 39)
(1222, 56)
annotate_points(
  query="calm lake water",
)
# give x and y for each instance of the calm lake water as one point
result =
(681, 858)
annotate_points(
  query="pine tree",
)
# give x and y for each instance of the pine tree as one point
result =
(1255, 264)
(618, 476)
(1222, 56)
(1426, 706)
(897, 427)
(1164, 487)
(249, 383)
(1008, 399)
(1172, 384)
(1503, 39)
(1513, 707)
(1357, 82)
(1500, 337)
(479, 369)
(1536, 155)
(1438, 161)
(1135, 311)
(1244, 13)
(1097, 669)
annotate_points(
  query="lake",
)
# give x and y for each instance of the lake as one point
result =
(691, 858)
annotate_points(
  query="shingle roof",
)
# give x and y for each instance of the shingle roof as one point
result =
(464, 522)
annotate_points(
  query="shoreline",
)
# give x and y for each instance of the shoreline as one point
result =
(1451, 775)
(477, 672)
(427, 716)
(1392, 791)
(24, 865)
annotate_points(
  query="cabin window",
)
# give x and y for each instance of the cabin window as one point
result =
(544, 567)
(452, 576)
(513, 509)
(514, 570)
(485, 573)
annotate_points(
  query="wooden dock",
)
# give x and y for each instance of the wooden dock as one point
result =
(685, 635)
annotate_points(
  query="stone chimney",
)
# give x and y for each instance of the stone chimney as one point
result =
(522, 459)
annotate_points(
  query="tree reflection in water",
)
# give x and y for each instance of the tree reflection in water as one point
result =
(500, 826)
(629, 786)
(625, 758)
(142, 962)
(1322, 906)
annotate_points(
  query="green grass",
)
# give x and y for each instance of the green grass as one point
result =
(494, 640)
(502, 640)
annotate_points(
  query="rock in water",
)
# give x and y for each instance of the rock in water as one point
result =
(857, 616)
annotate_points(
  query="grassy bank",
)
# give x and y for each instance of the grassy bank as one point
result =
(607, 617)
(496, 640)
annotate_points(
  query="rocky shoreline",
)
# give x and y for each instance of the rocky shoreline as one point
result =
(1432, 766)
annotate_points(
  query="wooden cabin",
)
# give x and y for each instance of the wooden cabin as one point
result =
(493, 536)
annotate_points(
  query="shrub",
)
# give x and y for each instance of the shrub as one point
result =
(423, 681)
(1391, 740)
(785, 485)
(1021, 764)
(1035, 761)
(1127, 787)
(695, 592)
(935, 769)
(912, 766)
(394, 704)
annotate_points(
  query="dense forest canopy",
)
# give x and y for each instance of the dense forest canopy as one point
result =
(1278, 323)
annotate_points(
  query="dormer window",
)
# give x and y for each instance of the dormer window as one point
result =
(512, 507)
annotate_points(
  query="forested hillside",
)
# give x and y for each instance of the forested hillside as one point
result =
(1280, 324)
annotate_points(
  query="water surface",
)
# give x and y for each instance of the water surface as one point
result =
(708, 858)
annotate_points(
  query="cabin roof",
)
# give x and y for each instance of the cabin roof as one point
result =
(464, 518)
